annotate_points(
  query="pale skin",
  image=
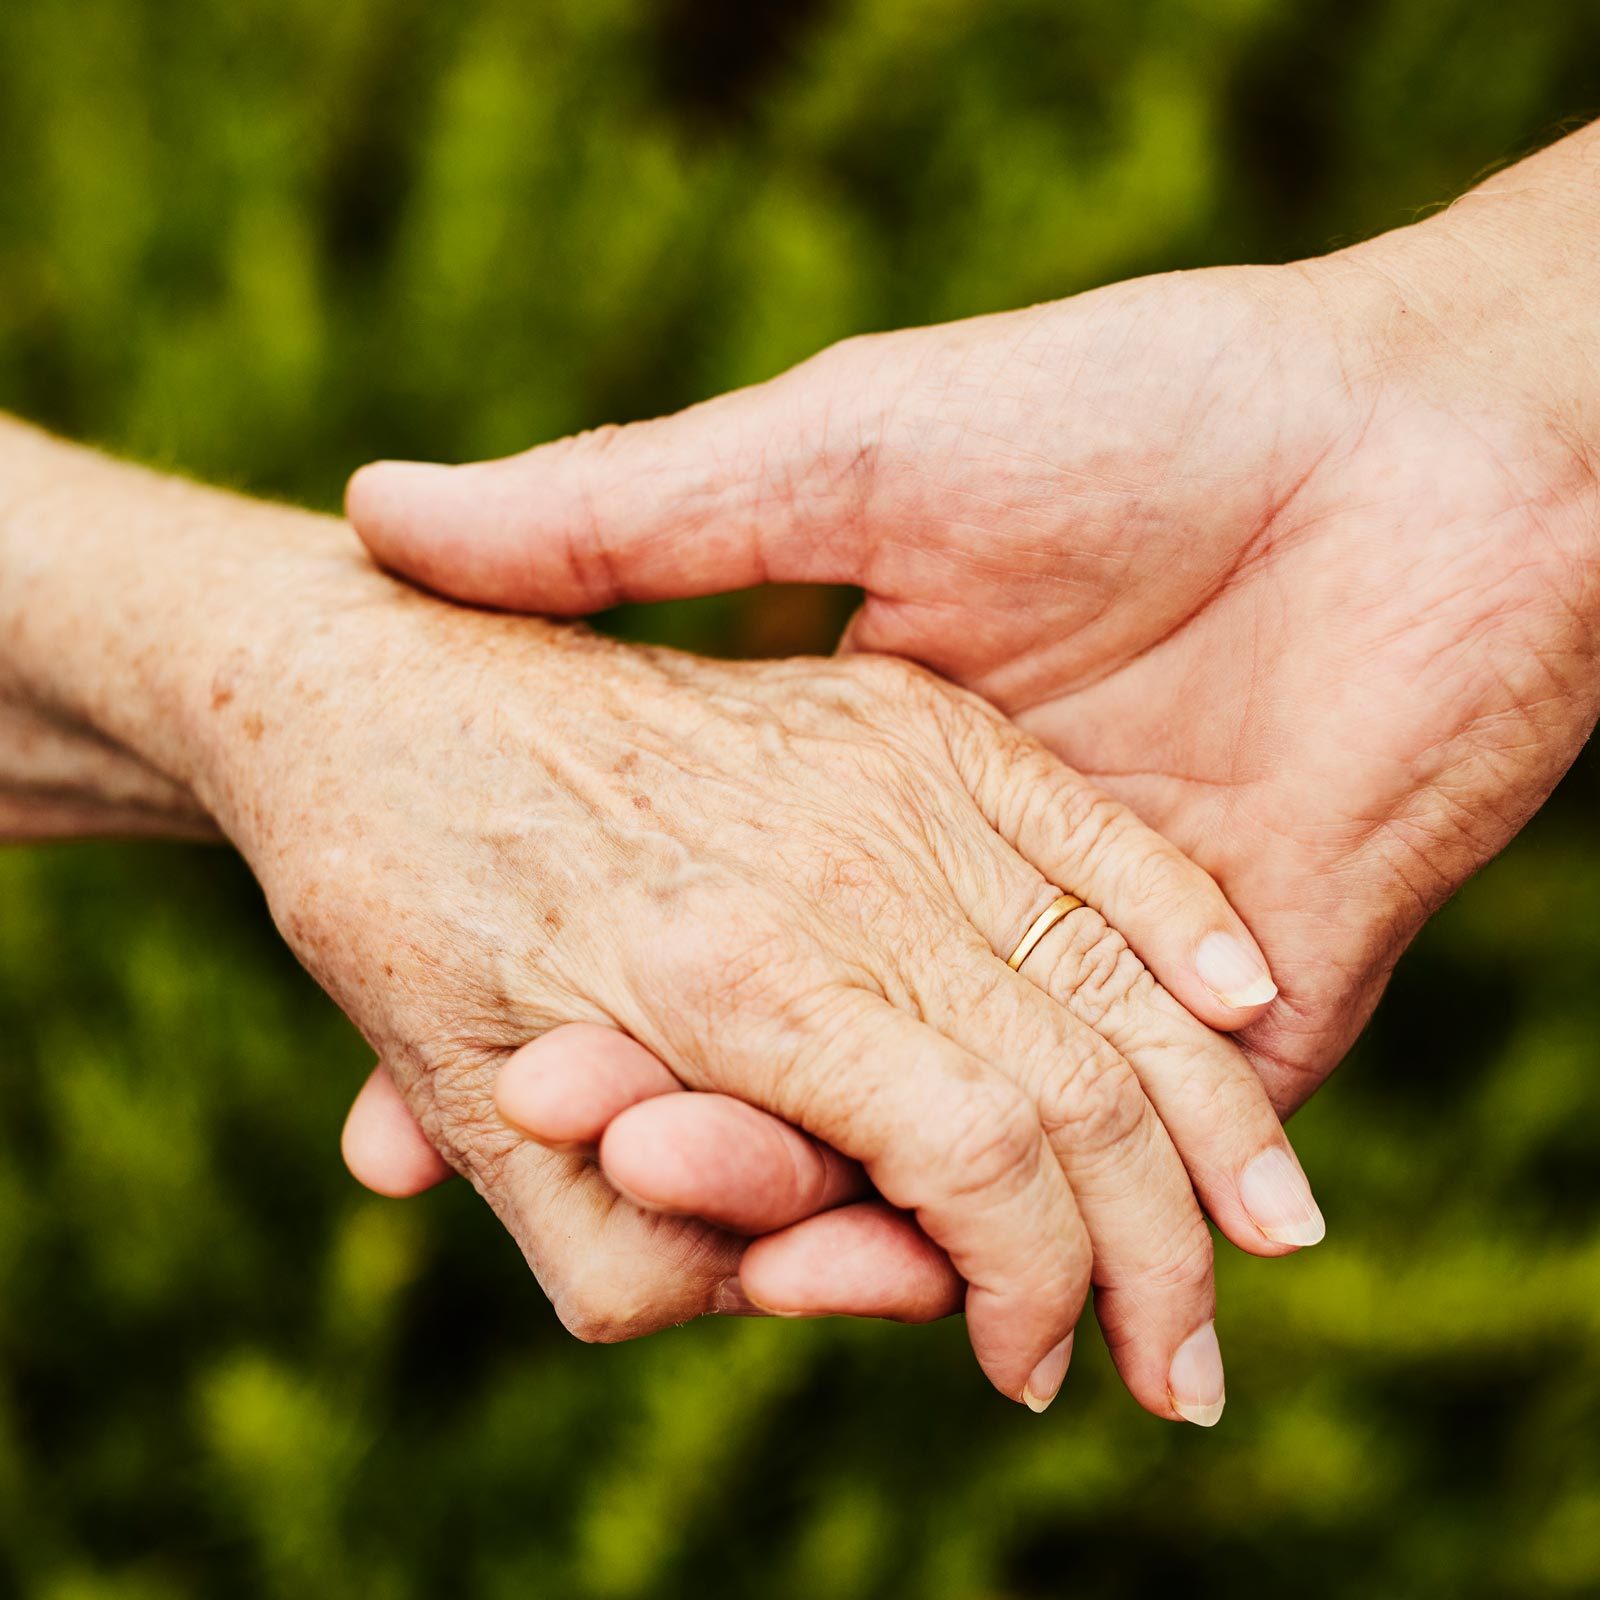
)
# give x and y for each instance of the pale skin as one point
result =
(790, 883)
(1302, 563)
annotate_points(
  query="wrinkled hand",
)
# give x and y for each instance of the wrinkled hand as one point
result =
(1299, 562)
(794, 883)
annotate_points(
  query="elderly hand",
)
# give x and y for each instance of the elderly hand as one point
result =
(1300, 562)
(795, 883)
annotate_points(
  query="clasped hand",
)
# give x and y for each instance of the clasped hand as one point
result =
(796, 884)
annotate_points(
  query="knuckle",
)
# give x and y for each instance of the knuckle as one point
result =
(1221, 1091)
(1094, 1104)
(854, 870)
(844, 351)
(750, 992)
(867, 680)
(1225, 1098)
(850, 417)
(1159, 877)
(998, 1146)
(739, 975)
(842, 362)
(1005, 762)
(720, 963)
(1037, 807)
(590, 545)
(826, 1095)
(1092, 823)
(1138, 1315)
(825, 1089)
(1186, 1270)
(599, 1308)
(1094, 973)
(1058, 1267)
(592, 443)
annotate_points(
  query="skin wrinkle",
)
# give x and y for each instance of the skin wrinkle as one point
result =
(835, 519)
(1112, 663)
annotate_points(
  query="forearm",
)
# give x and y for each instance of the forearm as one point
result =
(126, 599)
(1543, 212)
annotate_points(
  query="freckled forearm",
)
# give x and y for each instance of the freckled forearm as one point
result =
(174, 659)
(123, 597)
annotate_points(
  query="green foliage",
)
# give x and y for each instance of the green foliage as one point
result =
(266, 240)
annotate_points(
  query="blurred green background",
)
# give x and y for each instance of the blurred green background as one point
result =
(266, 240)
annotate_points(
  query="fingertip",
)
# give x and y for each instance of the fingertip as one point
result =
(377, 490)
(730, 1300)
(1277, 1197)
(384, 1148)
(1196, 1387)
(435, 525)
(565, 1088)
(724, 1161)
(864, 1260)
(1044, 1385)
(678, 1164)
(361, 490)
(538, 1104)
(1012, 1342)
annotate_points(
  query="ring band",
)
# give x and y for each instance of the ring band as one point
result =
(1058, 908)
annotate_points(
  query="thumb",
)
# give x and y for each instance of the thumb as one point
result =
(767, 484)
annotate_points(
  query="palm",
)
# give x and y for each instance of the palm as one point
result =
(1281, 606)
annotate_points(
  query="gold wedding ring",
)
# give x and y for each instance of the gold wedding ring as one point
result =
(1058, 908)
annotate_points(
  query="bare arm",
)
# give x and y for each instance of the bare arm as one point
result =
(60, 776)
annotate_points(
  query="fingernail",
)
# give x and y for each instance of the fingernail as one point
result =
(1233, 972)
(732, 1301)
(1045, 1383)
(1194, 1382)
(760, 1310)
(1275, 1193)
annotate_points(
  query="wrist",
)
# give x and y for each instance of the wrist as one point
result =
(1500, 289)
(1490, 312)
(129, 603)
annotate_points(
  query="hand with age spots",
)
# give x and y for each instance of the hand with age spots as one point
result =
(811, 915)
